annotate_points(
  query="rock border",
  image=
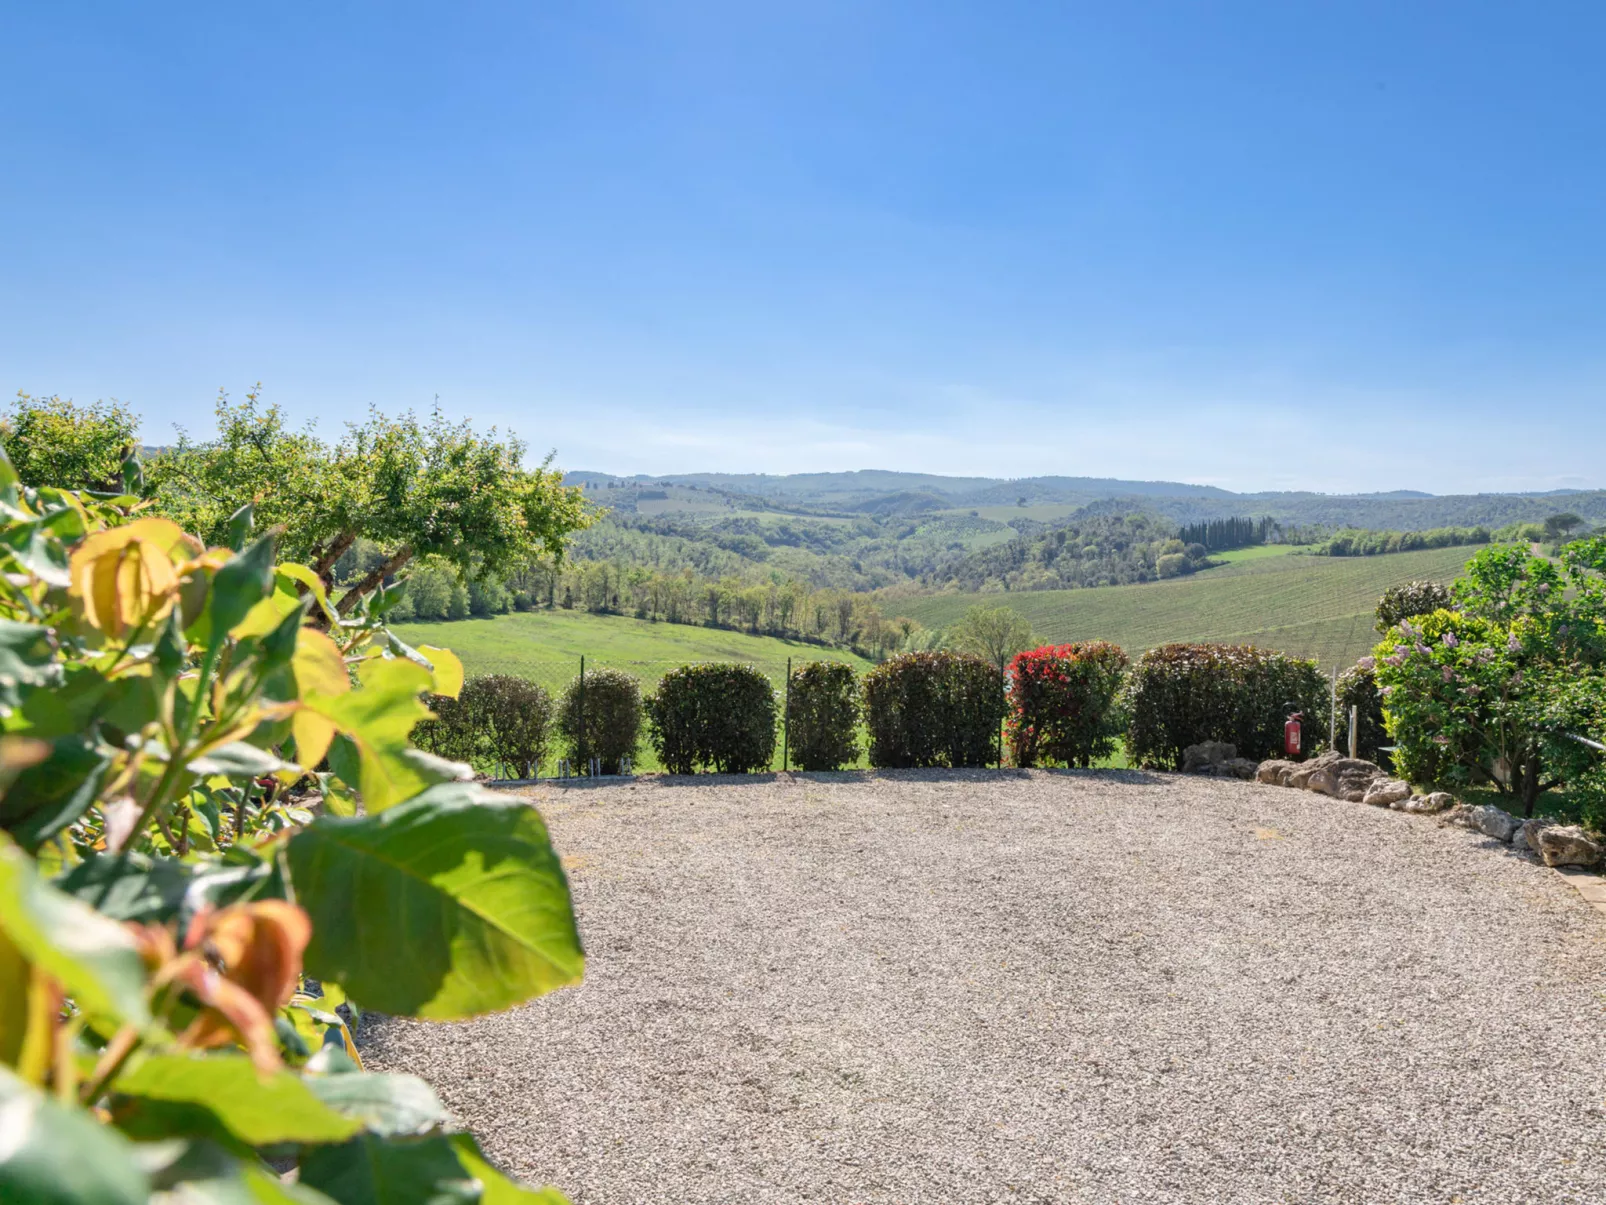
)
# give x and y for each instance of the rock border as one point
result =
(1564, 848)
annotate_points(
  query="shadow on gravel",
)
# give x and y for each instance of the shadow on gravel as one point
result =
(976, 775)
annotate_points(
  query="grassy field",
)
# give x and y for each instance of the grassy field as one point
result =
(546, 647)
(1318, 607)
(1257, 552)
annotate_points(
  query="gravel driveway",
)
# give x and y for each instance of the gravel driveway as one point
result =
(964, 987)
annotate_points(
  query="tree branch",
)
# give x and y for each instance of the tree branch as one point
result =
(348, 600)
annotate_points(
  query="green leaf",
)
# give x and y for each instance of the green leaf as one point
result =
(386, 1104)
(51, 1154)
(48, 796)
(379, 718)
(168, 891)
(240, 524)
(243, 581)
(238, 760)
(498, 1189)
(93, 957)
(28, 654)
(371, 1170)
(447, 906)
(202, 1173)
(173, 1095)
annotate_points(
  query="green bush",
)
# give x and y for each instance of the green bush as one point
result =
(1411, 599)
(822, 715)
(1487, 693)
(933, 709)
(1357, 687)
(1181, 694)
(496, 720)
(716, 716)
(1062, 703)
(600, 716)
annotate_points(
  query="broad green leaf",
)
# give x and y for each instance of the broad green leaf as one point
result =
(301, 575)
(447, 906)
(175, 1095)
(28, 654)
(51, 1154)
(241, 523)
(199, 1172)
(241, 583)
(379, 717)
(371, 1170)
(237, 760)
(498, 1188)
(51, 794)
(91, 956)
(168, 891)
(386, 1104)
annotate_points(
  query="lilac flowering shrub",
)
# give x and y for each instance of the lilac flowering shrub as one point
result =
(1489, 692)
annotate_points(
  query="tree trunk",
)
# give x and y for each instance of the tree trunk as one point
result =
(348, 600)
(1530, 781)
(324, 565)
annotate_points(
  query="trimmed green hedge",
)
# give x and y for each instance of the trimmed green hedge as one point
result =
(822, 715)
(496, 720)
(933, 709)
(1181, 694)
(609, 727)
(713, 716)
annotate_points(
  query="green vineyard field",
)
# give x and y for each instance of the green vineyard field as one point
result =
(1319, 607)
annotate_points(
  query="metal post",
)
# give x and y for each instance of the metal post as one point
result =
(1354, 729)
(583, 749)
(786, 723)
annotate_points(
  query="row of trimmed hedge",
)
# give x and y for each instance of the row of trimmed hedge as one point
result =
(1066, 705)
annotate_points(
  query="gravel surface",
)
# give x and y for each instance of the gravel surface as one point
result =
(1039, 986)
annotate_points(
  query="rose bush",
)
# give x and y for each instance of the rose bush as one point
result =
(216, 844)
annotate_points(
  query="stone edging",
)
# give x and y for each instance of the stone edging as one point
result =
(1565, 848)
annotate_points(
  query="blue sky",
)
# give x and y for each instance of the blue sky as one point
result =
(1344, 246)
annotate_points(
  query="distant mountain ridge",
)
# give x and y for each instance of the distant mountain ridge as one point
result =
(886, 492)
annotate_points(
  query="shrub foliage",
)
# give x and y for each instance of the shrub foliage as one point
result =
(601, 717)
(1488, 692)
(1357, 688)
(713, 716)
(1411, 599)
(497, 720)
(933, 709)
(822, 715)
(1181, 694)
(178, 929)
(1062, 703)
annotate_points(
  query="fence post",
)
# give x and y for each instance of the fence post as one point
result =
(786, 723)
(584, 750)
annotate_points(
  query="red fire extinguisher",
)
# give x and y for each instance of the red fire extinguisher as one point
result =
(1291, 734)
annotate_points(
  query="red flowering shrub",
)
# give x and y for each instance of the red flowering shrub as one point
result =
(1062, 703)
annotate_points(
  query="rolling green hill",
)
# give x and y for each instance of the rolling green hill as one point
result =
(1318, 607)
